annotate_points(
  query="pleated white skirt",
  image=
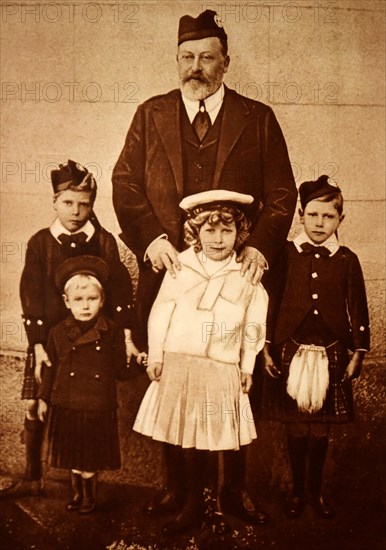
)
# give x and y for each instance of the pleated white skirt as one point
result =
(197, 403)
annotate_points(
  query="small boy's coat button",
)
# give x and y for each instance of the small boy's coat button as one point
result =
(72, 373)
(317, 255)
(316, 312)
(315, 296)
(97, 376)
(314, 275)
(98, 348)
(73, 245)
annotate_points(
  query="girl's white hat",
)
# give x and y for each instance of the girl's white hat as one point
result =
(214, 197)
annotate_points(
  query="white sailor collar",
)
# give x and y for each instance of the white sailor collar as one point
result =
(213, 284)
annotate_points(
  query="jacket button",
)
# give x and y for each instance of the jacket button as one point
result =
(315, 296)
(316, 312)
(74, 348)
(98, 348)
(97, 376)
(72, 373)
(317, 255)
(73, 245)
(314, 275)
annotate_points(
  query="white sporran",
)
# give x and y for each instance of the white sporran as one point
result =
(308, 377)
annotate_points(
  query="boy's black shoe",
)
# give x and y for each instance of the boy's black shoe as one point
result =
(24, 488)
(322, 507)
(294, 506)
(236, 502)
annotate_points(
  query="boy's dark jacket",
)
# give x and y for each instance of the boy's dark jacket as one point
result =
(84, 371)
(42, 302)
(301, 283)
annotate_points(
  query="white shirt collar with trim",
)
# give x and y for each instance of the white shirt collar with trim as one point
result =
(332, 243)
(57, 229)
(212, 104)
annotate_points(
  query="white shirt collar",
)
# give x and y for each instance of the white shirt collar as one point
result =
(332, 243)
(57, 229)
(212, 104)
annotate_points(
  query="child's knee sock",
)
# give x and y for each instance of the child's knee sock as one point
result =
(297, 452)
(317, 456)
(33, 434)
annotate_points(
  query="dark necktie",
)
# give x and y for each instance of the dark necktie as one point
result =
(73, 240)
(309, 248)
(202, 122)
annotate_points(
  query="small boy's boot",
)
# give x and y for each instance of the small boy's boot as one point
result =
(89, 488)
(77, 491)
(172, 497)
(317, 457)
(32, 482)
(235, 499)
(297, 452)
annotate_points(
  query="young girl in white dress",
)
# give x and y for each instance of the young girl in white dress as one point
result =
(206, 327)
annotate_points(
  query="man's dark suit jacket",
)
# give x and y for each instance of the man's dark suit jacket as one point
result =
(252, 158)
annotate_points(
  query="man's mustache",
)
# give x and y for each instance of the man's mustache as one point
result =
(198, 77)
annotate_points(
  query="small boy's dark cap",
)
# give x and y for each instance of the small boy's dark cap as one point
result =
(81, 265)
(70, 175)
(207, 24)
(310, 190)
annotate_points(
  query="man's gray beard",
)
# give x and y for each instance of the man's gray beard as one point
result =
(196, 89)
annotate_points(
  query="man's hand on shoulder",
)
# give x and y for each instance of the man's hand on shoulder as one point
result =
(253, 262)
(162, 255)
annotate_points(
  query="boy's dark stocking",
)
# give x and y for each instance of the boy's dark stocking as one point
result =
(31, 484)
(172, 498)
(33, 442)
(77, 491)
(297, 452)
(317, 456)
(234, 497)
(192, 512)
(89, 488)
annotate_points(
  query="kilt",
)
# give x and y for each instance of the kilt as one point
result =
(82, 440)
(338, 406)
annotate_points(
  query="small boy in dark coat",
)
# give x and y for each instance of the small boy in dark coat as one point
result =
(88, 356)
(74, 232)
(317, 313)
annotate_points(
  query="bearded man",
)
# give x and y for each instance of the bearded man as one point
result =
(201, 136)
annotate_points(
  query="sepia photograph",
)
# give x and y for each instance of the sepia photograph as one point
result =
(193, 349)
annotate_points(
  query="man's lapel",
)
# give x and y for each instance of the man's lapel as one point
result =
(167, 120)
(235, 119)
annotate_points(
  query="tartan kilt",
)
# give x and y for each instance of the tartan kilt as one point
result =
(30, 386)
(338, 406)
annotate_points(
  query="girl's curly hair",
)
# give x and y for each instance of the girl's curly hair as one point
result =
(222, 213)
